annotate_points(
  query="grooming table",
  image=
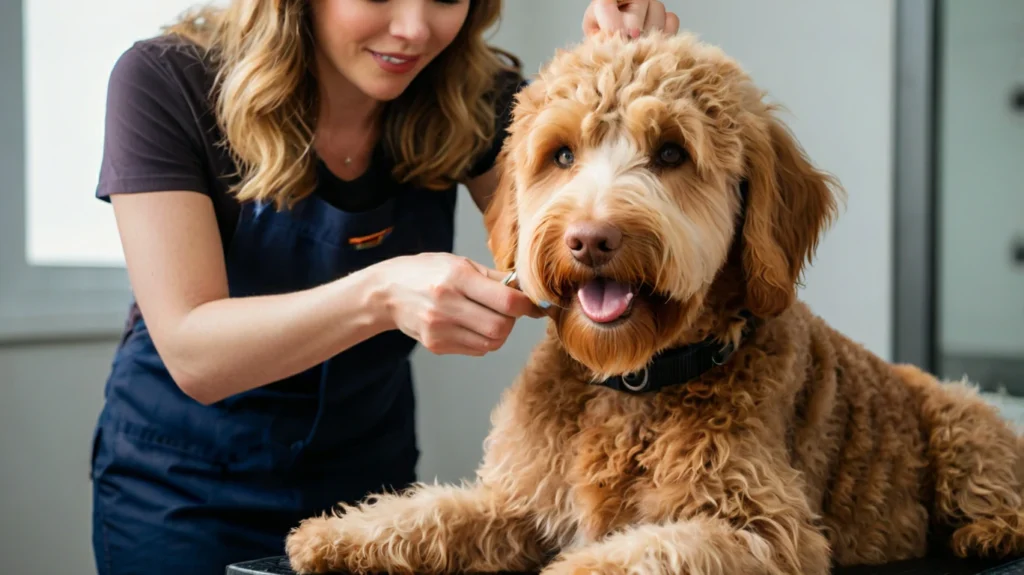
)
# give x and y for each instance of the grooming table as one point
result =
(929, 566)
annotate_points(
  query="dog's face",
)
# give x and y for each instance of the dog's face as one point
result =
(620, 197)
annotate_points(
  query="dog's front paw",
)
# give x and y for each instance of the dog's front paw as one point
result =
(317, 545)
(582, 565)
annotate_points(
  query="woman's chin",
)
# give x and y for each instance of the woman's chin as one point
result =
(381, 86)
(386, 90)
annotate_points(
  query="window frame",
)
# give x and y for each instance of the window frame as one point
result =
(915, 279)
(41, 302)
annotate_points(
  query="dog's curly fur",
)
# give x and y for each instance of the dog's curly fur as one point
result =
(802, 451)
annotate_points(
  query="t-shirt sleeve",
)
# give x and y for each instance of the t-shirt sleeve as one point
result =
(510, 84)
(150, 139)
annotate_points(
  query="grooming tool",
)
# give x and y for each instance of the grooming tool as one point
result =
(512, 277)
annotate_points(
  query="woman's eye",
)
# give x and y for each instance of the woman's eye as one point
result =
(671, 155)
(564, 157)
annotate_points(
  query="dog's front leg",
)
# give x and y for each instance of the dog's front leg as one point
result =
(747, 514)
(429, 529)
(700, 546)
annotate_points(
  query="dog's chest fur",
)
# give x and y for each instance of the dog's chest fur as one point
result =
(638, 459)
(589, 460)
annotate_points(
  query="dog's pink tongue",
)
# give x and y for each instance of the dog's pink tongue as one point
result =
(604, 300)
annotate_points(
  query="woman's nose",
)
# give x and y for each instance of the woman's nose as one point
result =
(410, 24)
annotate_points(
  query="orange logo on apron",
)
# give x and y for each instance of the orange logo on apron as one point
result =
(370, 241)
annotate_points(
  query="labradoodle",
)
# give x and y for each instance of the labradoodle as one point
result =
(685, 412)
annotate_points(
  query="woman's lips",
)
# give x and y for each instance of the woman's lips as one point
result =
(395, 63)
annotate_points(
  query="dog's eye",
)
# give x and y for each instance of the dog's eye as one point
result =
(671, 155)
(564, 157)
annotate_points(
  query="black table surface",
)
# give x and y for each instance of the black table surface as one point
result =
(927, 566)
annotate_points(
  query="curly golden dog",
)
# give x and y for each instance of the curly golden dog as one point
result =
(685, 412)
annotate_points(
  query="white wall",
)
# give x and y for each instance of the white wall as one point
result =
(981, 179)
(831, 64)
(49, 398)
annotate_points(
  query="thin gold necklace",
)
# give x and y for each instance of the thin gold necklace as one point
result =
(369, 134)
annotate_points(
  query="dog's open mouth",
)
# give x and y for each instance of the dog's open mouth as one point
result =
(604, 300)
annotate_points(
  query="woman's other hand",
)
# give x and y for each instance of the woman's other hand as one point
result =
(632, 17)
(451, 304)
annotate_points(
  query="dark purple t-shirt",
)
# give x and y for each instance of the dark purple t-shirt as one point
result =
(161, 134)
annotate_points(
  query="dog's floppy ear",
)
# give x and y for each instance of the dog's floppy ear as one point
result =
(789, 205)
(500, 218)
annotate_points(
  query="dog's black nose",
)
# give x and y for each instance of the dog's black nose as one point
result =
(593, 243)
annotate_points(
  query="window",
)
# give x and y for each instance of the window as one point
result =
(61, 267)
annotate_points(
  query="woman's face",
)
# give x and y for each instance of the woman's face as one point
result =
(380, 45)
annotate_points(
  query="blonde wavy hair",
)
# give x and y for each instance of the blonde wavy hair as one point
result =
(266, 100)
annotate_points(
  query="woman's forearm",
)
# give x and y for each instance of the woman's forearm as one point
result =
(232, 345)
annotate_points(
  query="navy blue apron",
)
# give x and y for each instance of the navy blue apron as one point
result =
(184, 488)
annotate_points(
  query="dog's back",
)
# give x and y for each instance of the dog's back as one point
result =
(894, 459)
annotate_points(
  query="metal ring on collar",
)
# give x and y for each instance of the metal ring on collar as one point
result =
(642, 375)
(721, 356)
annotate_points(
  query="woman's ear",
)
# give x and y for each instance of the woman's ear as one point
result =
(500, 218)
(789, 205)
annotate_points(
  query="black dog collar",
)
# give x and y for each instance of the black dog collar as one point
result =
(675, 366)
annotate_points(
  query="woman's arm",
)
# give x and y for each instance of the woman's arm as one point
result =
(214, 346)
(482, 187)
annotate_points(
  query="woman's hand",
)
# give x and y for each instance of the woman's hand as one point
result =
(632, 17)
(451, 304)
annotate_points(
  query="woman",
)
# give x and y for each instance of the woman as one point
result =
(283, 178)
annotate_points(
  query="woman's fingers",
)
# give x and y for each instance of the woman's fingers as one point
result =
(492, 326)
(635, 14)
(602, 15)
(656, 16)
(631, 17)
(487, 289)
(671, 23)
(456, 339)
